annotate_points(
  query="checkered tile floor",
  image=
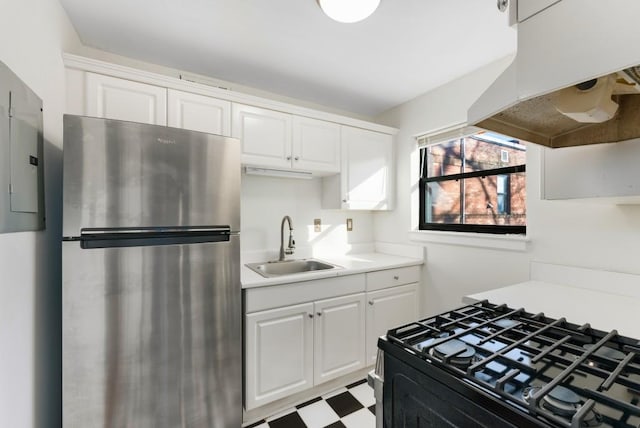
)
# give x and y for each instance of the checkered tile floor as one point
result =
(350, 407)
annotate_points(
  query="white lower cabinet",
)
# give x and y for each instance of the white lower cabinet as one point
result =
(279, 353)
(303, 334)
(339, 329)
(387, 309)
(293, 348)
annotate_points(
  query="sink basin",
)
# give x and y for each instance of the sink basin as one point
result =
(289, 267)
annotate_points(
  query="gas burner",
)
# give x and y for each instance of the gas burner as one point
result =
(462, 354)
(506, 323)
(563, 402)
(606, 352)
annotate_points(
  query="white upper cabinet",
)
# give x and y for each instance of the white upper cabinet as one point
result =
(316, 145)
(365, 181)
(280, 140)
(121, 99)
(265, 135)
(274, 135)
(199, 113)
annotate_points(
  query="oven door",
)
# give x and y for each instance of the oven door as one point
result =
(415, 399)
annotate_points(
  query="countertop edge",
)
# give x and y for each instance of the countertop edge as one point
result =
(380, 261)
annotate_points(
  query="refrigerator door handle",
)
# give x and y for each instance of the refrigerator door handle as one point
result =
(142, 237)
(91, 231)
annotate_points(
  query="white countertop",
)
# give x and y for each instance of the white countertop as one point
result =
(350, 264)
(601, 309)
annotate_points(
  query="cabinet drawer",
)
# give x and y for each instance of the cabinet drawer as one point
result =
(261, 298)
(391, 277)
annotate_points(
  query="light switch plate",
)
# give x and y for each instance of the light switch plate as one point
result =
(317, 225)
(349, 225)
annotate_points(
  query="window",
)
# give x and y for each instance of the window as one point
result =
(503, 191)
(475, 183)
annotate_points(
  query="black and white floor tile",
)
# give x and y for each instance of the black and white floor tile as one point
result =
(350, 407)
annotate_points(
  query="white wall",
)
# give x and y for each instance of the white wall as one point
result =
(266, 200)
(33, 34)
(451, 271)
(578, 234)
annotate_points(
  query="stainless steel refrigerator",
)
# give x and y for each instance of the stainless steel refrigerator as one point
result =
(151, 277)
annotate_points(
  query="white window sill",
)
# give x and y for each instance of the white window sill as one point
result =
(480, 240)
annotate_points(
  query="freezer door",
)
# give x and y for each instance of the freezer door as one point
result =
(125, 174)
(152, 336)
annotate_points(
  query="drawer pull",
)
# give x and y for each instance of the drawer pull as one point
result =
(396, 277)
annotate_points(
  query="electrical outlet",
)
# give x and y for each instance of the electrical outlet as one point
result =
(317, 225)
(349, 225)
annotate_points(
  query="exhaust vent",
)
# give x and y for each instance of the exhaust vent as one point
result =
(601, 110)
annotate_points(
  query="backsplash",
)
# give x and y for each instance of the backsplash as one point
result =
(266, 200)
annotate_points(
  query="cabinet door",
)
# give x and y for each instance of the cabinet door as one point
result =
(367, 159)
(386, 309)
(265, 135)
(316, 145)
(121, 99)
(199, 113)
(279, 353)
(339, 337)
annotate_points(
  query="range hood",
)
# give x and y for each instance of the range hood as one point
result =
(575, 79)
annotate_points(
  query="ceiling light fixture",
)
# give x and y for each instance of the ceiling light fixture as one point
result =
(348, 11)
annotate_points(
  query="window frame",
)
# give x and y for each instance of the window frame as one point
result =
(459, 227)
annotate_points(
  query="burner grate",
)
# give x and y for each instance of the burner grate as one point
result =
(513, 350)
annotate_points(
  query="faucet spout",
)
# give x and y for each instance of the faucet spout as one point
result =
(292, 244)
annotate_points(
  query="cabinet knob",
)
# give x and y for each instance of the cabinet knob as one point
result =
(396, 277)
(344, 200)
(310, 315)
(296, 158)
(319, 314)
(288, 157)
(371, 302)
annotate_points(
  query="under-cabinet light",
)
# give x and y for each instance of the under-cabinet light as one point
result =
(250, 170)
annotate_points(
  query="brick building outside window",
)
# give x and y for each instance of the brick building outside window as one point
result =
(475, 183)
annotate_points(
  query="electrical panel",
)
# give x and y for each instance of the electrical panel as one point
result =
(21, 156)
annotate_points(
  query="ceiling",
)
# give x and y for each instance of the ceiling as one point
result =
(289, 47)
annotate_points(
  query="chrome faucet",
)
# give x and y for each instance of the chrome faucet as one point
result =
(292, 244)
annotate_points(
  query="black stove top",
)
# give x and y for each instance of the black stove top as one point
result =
(562, 374)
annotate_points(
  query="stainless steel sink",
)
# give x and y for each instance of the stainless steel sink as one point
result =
(289, 267)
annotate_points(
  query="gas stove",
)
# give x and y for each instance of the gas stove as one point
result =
(492, 365)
